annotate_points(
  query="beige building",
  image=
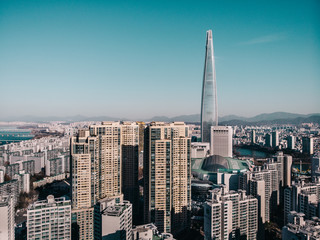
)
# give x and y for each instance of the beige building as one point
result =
(84, 182)
(104, 159)
(167, 171)
(109, 158)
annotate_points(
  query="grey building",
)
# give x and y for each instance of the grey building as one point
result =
(113, 220)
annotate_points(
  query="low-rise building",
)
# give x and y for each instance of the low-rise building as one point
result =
(300, 229)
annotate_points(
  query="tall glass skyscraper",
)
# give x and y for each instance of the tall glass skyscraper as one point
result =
(209, 105)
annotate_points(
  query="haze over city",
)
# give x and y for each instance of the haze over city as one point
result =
(140, 59)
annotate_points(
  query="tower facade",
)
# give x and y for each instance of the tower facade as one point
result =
(167, 176)
(84, 183)
(130, 161)
(96, 170)
(209, 105)
(108, 136)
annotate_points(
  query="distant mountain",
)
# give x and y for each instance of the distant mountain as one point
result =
(278, 115)
(298, 120)
(265, 118)
(181, 118)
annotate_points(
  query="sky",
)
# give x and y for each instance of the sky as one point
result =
(139, 59)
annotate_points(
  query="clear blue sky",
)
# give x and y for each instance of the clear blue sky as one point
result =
(137, 59)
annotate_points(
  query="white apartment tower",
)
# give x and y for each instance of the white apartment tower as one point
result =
(49, 219)
(221, 141)
(291, 142)
(230, 215)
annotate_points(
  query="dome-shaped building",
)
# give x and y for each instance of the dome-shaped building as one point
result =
(220, 170)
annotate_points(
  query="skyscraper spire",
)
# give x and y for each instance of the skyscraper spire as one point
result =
(209, 105)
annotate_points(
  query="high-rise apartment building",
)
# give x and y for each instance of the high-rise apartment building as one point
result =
(23, 181)
(167, 176)
(302, 197)
(104, 164)
(10, 188)
(49, 219)
(282, 163)
(268, 140)
(315, 165)
(2, 173)
(291, 142)
(307, 145)
(221, 141)
(275, 139)
(108, 150)
(84, 182)
(7, 214)
(209, 104)
(230, 215)
(130, 164)
(142, 126)
(253, 137)
(250, 181)
(276, 175)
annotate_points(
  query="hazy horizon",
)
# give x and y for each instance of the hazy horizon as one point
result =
(139, 118)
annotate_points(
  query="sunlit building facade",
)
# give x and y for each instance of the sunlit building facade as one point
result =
(167, 176)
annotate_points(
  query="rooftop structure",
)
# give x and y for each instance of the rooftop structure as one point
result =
(298, 228)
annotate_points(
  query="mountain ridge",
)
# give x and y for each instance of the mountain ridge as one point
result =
(264, 117)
